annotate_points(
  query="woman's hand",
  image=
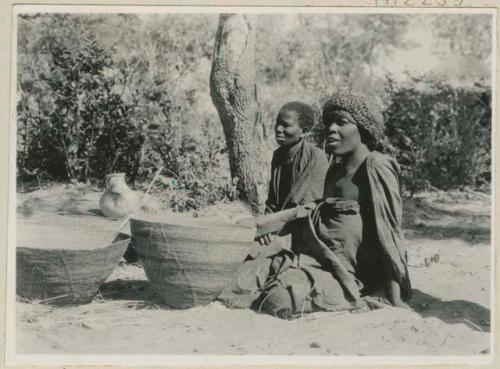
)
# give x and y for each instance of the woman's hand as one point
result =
(265, 239)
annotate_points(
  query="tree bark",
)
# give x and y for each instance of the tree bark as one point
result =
(234, 94)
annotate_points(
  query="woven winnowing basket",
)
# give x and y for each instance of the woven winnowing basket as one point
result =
(189, 264)
(63, 276)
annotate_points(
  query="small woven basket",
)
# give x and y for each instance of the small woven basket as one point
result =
(53, 269)
(188, 263)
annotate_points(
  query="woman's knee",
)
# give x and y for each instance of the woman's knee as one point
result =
(277, 302)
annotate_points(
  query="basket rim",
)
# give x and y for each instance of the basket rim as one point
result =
(192, 223)
(86, 250)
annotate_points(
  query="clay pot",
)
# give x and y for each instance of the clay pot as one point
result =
(119, 200)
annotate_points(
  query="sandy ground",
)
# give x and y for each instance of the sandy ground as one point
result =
(449, 253)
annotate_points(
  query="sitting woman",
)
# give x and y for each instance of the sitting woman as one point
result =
(298, 170)
(296, 160)
(370, 245)
(298, 167)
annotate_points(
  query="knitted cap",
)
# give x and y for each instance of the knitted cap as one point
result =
(367, 115)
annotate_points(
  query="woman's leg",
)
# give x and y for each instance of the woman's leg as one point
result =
(251, 275)
(286, 296)
(393, 289)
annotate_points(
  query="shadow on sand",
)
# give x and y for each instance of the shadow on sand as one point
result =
(424, 220)
(138, 292)
(133, 290)
(452, 312)
(468, 233)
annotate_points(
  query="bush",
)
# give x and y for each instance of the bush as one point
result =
(202, 177)
(440, 134)
(72, 124)
(83, 114)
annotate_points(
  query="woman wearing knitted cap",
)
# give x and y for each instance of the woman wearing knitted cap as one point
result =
(354, 128)
(351, 244)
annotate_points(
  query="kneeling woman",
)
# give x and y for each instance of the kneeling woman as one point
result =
(351, 244)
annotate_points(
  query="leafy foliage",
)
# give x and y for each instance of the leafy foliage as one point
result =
(82, 115)
(200, 173)
(122, 92)
(440, 134)
(82, 129)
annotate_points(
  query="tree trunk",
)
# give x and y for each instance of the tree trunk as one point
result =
(233, 92)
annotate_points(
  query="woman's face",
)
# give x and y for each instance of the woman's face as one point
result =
(287, 129)
(342, 134)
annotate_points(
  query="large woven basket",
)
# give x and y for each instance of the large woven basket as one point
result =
(188, 263)
(65, 265)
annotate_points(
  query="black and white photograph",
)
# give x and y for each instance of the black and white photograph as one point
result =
(297, 184)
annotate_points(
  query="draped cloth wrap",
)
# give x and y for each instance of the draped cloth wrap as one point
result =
(321, 270)
(302, 168)
(331, 235)
(383, 177)
(318, 271)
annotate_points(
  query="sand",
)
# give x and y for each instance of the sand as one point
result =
(450, 265)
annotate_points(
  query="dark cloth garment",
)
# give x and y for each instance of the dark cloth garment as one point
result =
(356, 186)
(331, 235)
(317, 274)
(375, 185)
(385, 214)
(301, 288)
(297, 176)
(341, 247)
(250, 279)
